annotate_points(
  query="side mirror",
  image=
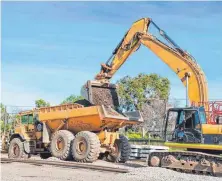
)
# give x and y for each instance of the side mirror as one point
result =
(219, 120)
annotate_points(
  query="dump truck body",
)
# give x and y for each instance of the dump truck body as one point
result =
(94, 118)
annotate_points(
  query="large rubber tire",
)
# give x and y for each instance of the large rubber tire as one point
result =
(65, 139)
(16, 149)
(45, 155)
(86, 147)
(123, 153)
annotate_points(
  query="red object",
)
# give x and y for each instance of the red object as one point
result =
(213, 109)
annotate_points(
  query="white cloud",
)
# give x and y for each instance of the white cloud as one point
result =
(22, 85)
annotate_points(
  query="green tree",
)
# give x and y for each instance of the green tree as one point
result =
(41, 103)
(71, 99)
(2, 126)
(133, 92)
(3, 111)
(4, 119)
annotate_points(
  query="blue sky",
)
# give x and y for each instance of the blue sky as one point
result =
(50, 49)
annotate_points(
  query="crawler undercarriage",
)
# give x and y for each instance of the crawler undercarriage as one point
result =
(187, 161)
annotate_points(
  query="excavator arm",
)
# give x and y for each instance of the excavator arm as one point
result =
(182, 63)
(124, 49)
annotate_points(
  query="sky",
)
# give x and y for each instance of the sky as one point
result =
(50, 49)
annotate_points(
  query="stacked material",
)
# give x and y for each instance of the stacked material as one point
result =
(142, 151)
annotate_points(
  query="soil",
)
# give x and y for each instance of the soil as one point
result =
(105, 96)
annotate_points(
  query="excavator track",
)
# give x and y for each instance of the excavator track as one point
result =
(186, 161)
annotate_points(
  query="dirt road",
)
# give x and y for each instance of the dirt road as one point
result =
(138, 172)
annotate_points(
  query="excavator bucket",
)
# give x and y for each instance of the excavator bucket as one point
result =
(98, 93)
(105, 94)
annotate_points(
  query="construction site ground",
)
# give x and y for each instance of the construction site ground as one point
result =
(137, 172)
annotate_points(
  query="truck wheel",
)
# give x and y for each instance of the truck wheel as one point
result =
(61, 144)
(86, 147)
(45, 155)
(16, 149)
(122, 150)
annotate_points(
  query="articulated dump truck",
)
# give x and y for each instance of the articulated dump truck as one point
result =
(83, 131)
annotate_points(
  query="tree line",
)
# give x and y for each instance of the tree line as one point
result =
(133, 91)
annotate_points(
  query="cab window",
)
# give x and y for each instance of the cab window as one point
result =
(25, 119)
(30, 119)
(172, 120)
(219, 120)
(181, 117)
(202, 117)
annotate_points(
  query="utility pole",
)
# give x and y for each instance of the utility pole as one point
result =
(164, 117)
(187, 76)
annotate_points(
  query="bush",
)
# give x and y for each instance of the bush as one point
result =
(138, 135)
(134, 135)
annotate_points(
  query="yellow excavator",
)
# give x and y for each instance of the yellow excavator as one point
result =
(185, 128)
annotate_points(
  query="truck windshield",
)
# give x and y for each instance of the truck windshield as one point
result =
(27, 119)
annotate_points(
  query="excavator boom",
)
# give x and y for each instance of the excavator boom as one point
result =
(183, 66)
(182, 63)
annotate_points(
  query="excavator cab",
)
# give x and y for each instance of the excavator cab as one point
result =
(184, 125)
(188, 128)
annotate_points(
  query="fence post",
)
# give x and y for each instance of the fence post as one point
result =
(143, 132)
(149, 138)
(5, 120)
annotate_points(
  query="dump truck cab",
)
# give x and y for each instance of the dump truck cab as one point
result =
(29, 130)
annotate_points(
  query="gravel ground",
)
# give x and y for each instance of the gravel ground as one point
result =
(138, 172)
